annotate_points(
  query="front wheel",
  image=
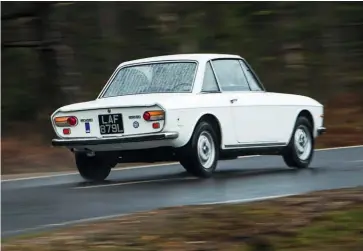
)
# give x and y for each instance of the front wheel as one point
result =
(200, 156)
(92, 168)
(299, 152)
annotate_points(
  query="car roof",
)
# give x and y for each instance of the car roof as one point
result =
(195, 57)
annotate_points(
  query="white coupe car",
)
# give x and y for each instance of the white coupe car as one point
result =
(191, 108)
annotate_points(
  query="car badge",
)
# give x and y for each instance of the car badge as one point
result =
(109, 110)
(136, 124)
(88, 127)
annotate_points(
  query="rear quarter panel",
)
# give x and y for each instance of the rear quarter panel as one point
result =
(183, 115)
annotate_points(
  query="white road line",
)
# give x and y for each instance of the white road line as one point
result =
(136, 182)
(355, 161)
(151, 165)
(91, 219)
(39, 177)
(65, 223)
(248, 200)
(338, 148)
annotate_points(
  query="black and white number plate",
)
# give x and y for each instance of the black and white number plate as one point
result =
(110, 123)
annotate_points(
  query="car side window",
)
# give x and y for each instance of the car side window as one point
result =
(230, 75)
(252, 81)
(209, 82)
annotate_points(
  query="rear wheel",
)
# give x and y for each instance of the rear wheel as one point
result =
(200, 156)
(299, 152)
(92, 168)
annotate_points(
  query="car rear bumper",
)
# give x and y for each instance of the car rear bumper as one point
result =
(115, 140)
(321, 130)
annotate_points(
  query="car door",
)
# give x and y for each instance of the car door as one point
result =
(250, 115)
(275, 112)
(216, 102)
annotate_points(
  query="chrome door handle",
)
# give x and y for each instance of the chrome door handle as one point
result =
(233, 100)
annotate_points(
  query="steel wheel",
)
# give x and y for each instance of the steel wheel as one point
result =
(300, 150)
(206, 150)
(200, 156)
(302, 142)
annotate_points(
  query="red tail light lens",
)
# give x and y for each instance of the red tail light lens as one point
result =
(66, 131)
(146, 116)
(72, 121)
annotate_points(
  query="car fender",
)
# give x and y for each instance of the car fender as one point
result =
(187, 120)
(316, 117)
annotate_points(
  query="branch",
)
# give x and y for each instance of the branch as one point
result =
(21, 44)
(25, 14)
(29, 44)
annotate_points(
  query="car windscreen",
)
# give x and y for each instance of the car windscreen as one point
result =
(168, 77)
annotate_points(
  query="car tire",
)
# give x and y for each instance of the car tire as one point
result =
(92, 168)
(300, 150)
(200, 156)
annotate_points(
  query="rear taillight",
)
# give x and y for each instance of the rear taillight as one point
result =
(66, 121)
(72, 121)
(153, 115)
(146, 116)
(67, 131)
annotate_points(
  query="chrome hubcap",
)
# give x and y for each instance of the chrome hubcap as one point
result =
(303, 143)
(206, 150)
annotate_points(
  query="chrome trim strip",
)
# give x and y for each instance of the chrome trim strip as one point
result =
(239, 146)
(321, 130)
(115, 140)
(244, 74)
(254, 74)
(215, 75)
(202, 81)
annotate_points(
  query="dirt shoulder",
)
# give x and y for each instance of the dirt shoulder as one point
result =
(324, 221)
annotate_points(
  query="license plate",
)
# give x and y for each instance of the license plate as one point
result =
(110, 123)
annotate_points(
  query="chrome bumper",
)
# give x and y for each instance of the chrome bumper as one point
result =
(114, 140)
(321, 130)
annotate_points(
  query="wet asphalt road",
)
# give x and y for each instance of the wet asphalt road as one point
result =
(40, 204)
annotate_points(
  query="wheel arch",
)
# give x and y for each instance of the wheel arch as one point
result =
(213, 120)
(289, 153)
(302, 113)
(306, 113)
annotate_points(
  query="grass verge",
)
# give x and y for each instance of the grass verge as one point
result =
(324, 221)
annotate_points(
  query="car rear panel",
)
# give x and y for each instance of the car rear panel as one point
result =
(114, 122)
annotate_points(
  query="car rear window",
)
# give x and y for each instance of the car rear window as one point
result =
(168, 77)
